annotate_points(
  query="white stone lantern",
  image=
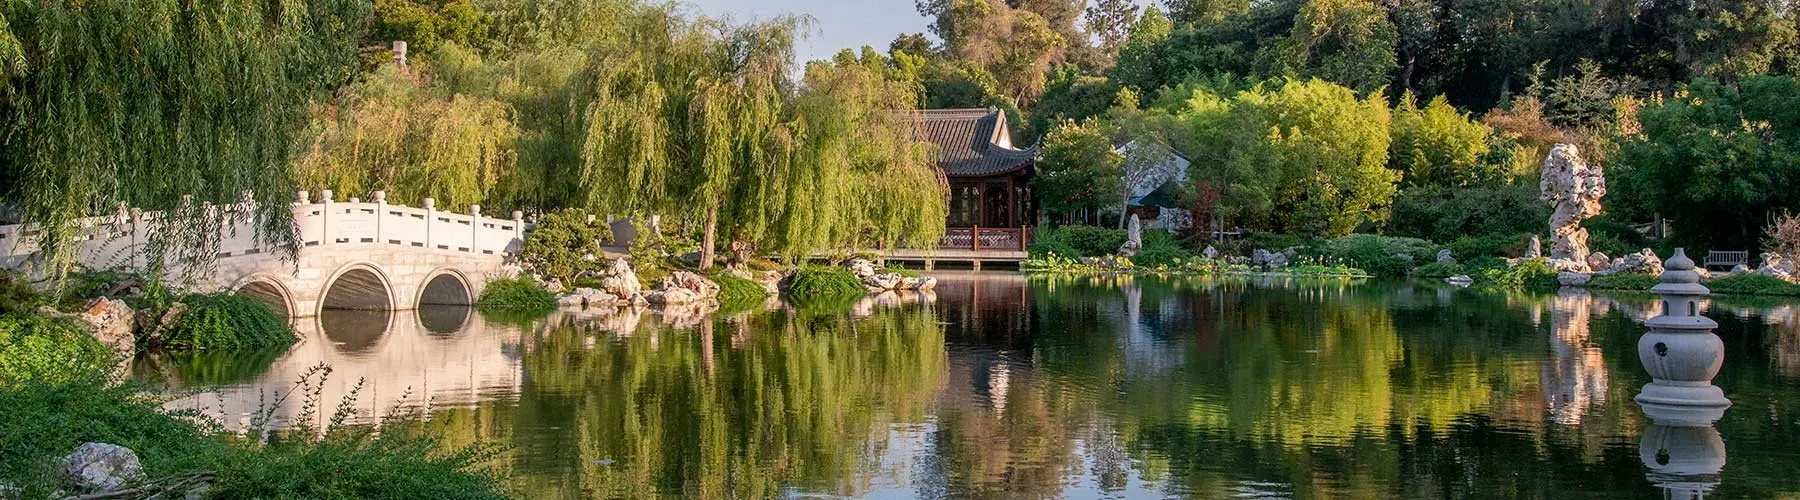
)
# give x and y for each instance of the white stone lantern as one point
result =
(1681, 352)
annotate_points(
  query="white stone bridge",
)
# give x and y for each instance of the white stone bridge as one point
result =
(352, 254)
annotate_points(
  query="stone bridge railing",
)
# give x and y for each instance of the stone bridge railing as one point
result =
(117, 241)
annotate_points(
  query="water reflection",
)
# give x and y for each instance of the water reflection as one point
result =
(998, 385)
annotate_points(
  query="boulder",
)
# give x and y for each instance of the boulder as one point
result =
(1741, 269)
(101, 467)
(619, 280)
(862, 268)
(588, 297)
(1210, 252)
(1643, 262)
(1268, 259)
(1566, 265)
(1460, 280)
(1573, 279)
(1598, 261)
(1534, 248)
(1444, 257)
(1774, 265)
(672, 296)
(922, 283)
(1573, 189)
(698, 284)
(888, 281)
(1134, 237)
(107, 320)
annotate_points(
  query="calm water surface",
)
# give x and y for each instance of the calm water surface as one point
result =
(1003, 386)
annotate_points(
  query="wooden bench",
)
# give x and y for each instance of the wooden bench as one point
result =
(1727, 259)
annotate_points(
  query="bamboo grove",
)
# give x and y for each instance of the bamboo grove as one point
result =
(613, 106)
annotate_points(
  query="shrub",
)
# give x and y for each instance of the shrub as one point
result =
(1623, 281)
(1160, 249)
(521, 293)
(735, 290)
(1532, 274)
(1438, 270)
(817, 285)
(1076, 241)
(1492, 245)
(17, 296)
(44, 349)
(1752, 284)
(1380, 255)
(226, 322)
(1445, 213)
(560, 243)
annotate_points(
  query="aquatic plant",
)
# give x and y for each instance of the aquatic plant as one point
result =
(521, 293)
(1752, 284)
(225, 322)
(1529, 274)
(735, 292)
(813, 285)
(1623, 281)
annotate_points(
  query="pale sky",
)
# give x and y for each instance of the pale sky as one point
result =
(837, 24)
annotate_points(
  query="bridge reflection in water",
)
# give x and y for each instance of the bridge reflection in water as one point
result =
(446, 356)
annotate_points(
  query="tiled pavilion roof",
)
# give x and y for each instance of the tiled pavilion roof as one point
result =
(972, 142)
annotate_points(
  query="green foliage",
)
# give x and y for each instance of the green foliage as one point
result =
(427, 24)
(1718, 158)
(1160, 249)
(1076, 241)
(1441, 213)
(1079, 169)
(521, 293)
(1439, 270)
(1440, 146)
(1623, 281)
(1380, 255)
(147, 102)
(1531, 274)
(17, 296)
(558, 247)
(1301, 156)
(1752, 284)
(226, 322)
(1349, 42)
(814, 286)
(736, 291)
(52, 350)
(45, 421)
(1470, 247)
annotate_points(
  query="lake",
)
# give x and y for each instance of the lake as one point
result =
(1000, 385)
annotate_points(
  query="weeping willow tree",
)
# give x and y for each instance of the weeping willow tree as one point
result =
(143, 102)
(426, 132)
(702, 121)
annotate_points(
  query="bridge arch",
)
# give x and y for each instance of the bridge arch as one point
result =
(358, 286)
(269, 290)
(445, 286)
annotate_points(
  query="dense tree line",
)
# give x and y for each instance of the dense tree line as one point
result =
(613, 106)
(1322, 116)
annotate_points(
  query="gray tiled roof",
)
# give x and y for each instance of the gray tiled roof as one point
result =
(971, 142)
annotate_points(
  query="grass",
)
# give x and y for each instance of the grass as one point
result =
(1753, 284)
(738, 294)
(45, 420)
(1623, 281)
(226, 323)
(521, 293)
(823, 285)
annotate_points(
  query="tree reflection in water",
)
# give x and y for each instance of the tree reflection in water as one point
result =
(998, 385)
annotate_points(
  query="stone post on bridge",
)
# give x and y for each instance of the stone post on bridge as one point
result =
(430, 220)
(475, 228)
(381, 214)
(325, 218)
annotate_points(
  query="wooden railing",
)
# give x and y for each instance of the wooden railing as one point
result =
(984, 238)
